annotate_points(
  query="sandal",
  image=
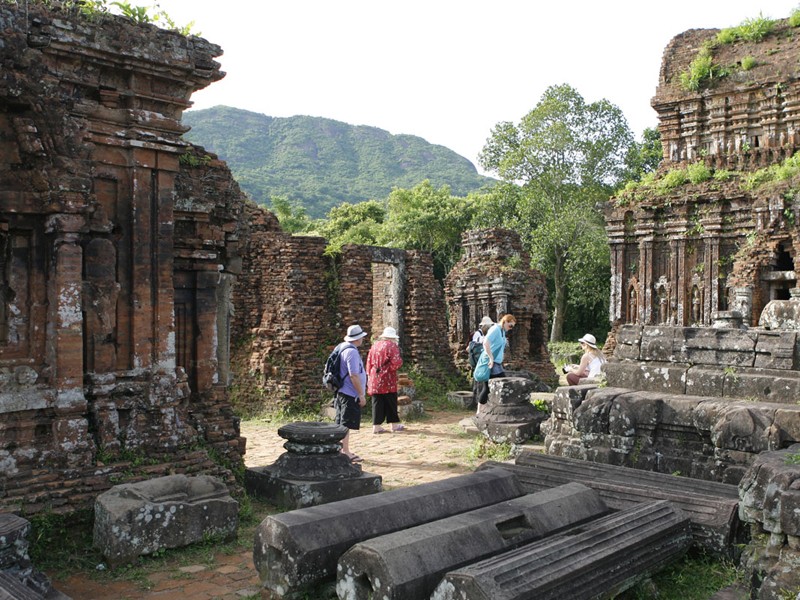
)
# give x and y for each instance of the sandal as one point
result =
(355, 458)
(398, 428)
(379, 430)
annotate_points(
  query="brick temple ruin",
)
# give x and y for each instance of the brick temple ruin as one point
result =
(493, 278)
(118, 248)
(705, 375)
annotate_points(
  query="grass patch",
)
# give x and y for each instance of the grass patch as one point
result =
(483, 449)
(694, 577)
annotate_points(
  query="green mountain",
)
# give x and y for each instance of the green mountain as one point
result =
(321, 163)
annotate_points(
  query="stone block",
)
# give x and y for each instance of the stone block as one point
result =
(410, 563)
(284, 492)
(298, 550)
(770, 492)
(629, 339)
(705, 381)
(712, 507)
(599, 559)
(657, 344)
(765, 385)
(652, 377)
(509, 416)
(708, 346)
(133, 519)
(776, 350)
(461, 399)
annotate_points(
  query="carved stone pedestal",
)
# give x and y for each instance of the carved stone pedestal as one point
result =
(312, 471)
(509, 416)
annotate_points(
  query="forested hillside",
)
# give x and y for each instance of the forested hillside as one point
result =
(321, 163)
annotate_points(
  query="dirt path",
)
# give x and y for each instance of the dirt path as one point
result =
(427, 450)
(431, 449)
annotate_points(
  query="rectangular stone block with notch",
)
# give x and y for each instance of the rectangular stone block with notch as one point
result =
(410, 563)
(712, 507)
(298, 550)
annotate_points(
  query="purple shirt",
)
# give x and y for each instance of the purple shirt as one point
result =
(351, 364)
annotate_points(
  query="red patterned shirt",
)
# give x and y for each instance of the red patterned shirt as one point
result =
(383, 361)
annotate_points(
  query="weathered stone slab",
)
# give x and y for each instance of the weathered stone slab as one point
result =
(629, 340)
(462, 399)
(705, 381)
(764, 385)
(19, 580)
(597, 560)
(410, 563)
(133, 519)
(657, 344)
(776, 350)
(650, 376)
(708, 346)
(298, 550)
(712, 507)
(770, 492)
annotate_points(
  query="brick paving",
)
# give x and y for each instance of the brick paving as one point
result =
(428, 450)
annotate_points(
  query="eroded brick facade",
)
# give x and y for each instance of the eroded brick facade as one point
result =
(492, 279)
(116, 260)
(683, 256)
(294, 303)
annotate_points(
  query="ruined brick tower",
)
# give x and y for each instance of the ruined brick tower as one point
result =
(491, 279)
(691, 247)
(117, 246)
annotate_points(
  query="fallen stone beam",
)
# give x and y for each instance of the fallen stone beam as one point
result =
(298, 550)
(410, 563)
(595, 561)
(711, 507)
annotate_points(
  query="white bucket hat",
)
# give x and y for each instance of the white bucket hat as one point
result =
(486, 321)
(390, 332)
(354, 332)
(589, 339)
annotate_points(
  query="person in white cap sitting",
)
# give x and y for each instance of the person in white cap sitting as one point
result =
(383, 362)
(591, 363)
(351, 397)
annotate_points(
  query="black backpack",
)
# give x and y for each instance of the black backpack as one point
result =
(474, 351)
(331, 378)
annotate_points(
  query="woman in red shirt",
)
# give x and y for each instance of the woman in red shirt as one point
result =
(383, 362)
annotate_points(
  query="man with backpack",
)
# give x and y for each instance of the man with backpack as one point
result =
(351, 397)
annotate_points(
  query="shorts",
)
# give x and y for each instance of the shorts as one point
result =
(348, 411)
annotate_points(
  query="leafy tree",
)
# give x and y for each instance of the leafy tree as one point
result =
(645, 156)
(497, 207)
(568, 156)
(291, 215)
(352, 224)
(424, 218)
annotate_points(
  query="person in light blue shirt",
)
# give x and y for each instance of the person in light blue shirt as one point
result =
(494, 345)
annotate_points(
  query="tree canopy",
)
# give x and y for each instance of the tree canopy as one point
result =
(567, 157)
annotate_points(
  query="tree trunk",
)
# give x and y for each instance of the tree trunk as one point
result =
(560, 301)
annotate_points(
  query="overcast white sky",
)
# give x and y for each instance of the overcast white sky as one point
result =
(445, 70)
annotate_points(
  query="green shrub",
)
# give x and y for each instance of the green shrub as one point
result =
(701, 70)
(722, 175)
(748, 62)
(794, 18)
(755, 30)
(727, 36)
(671, 180)
(698, 172)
